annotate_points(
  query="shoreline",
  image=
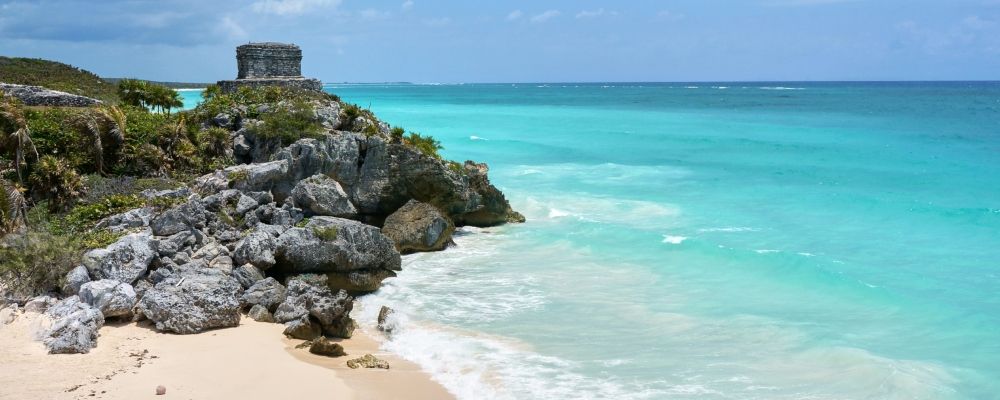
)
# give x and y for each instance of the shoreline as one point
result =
(251, 361)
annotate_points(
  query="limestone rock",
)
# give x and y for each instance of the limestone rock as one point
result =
(325, 347)
(125, 260)
(193, 299)
(367, 361)
(75, 278)
(260, 313)
(183, 217)
(418, 227)
(74, 327)
(136, 218)
(312, 299)
(267, 293)
(257, 249)
(247, 275)
(328, 244)
(386, 319)
(113, 298)
(39, 304)
(302, 328)
(39, 96)
(322, 195)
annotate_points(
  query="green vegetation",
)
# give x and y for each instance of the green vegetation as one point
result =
(288, 123)
(425, 144)
(56, 76)
(326, 234)
(139, 93)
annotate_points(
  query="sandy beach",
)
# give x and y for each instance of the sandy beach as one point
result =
(252, 361)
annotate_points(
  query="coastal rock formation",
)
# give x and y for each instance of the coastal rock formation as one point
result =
(125, 260)
(75, 278)
(324, 347)
(39, 96)
(310, 304)
(338, 247)
(386, 319)
(113, 298)
(418, 227)
(322, 195)
(74, 327)
(267, 293)
(193, 299)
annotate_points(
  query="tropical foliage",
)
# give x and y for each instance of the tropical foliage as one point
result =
(56, 76)
(139, 93)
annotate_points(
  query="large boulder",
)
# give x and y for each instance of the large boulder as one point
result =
(193, 299)
(325, 347)
(322, 195)
(493, 208)
(125, 260)
(256, 249)
(75, 278)
(113, 298)
(309, 299)
(267, 293)
(74, 327)
(418, 227)
(186, 216)
(39, 96)
(338, 247)
(247, 275)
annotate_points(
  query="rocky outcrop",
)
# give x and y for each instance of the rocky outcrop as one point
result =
(386, 319)
(112, 298)
(267, 293)
(75, 278)
(39, 96)
(125, 260)
(418, 227)
(338, 247)
(326, 347)
(193, 299)
(74, 327)
(367, 361)
(256, 249)
(322, 195)
(310, 304)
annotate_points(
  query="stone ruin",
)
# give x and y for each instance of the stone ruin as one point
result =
(269, 64)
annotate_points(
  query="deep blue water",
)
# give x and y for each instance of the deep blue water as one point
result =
(712, 241)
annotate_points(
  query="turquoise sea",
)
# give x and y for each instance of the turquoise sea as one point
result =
(711, 241)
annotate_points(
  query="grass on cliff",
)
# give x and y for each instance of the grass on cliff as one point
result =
(56, 76)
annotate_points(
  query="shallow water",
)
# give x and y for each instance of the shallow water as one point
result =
(712, 241)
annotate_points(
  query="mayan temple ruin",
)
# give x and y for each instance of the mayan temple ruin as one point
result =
(269, 64)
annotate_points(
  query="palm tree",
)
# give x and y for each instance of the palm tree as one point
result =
(12, 207)
(133, 92)
(91, 124)
(19, 141)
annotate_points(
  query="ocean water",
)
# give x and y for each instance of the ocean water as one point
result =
(711, 241)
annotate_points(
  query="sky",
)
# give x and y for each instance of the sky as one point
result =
(519, 41)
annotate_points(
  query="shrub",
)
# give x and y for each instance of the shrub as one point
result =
(83, 217)
(351, 112)
(35, 262)
(54, 180)
(326, 234)
(214, 142)
(288, 123)
(12, 207)
(396, 133)
(425, 144)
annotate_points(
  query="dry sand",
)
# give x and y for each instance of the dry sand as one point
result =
(252, 361)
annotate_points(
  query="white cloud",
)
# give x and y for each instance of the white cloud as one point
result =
(290, 7)
(230, 28)
(590, 14)
(514, 15)
(408, 4)
(545, 16)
